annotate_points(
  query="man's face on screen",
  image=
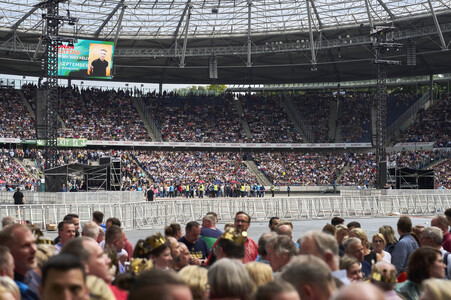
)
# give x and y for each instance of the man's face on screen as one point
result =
(102, 55)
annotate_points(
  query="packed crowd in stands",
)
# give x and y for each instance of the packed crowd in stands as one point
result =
(314, 108)
(94, 259)
(196, 118)
(164, 170)
(355, 117)
(103, 115)
(268, 122)
(416, 159)
(110, 115)
(290, 168)
(12, 173)
(361, 171)
(442, 173)
(187, 167)
(431, 125)
(16, 121)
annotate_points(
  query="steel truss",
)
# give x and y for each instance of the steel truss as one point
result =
(382, 43)
(16, 45)
(52, 21)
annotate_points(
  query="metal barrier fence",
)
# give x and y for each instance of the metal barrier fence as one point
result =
(160, 213)
(74, 198)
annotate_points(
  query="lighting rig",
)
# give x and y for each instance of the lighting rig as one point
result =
(383, 43)
(47, 125)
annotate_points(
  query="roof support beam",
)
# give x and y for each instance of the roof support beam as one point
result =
(370, 20)
(437, 26)
(16, 25)
(312, 41)
(392, 16)
(320, 24)
(119, 25)
(185, 40)
(249, 39)
(176, 32)
(97, 33)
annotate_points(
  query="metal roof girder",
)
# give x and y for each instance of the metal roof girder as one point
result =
(24, 17)
(437, 26)
(97, 33)
(384, 6)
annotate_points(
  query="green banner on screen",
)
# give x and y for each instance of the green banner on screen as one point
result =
(65, 143)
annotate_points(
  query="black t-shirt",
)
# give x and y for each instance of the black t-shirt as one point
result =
(150, 194)
(18, 198)
(99, 67)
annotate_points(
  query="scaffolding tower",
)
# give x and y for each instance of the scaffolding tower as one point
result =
(382, 44)
(50, 36)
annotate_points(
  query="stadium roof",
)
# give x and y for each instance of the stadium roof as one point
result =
(252, 41)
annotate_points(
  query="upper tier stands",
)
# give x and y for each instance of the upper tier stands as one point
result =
(196, 118)
(16, 121)
(268, 121)
(355, 117)
(104, 115)
(110, 115)
(315, 110)
(398, 103)
(431, 125)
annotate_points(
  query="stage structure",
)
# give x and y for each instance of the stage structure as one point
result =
(414, 179)
(103, 177)
(48, 128)
(383, 43)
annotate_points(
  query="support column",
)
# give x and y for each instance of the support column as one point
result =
(312, 41)
(249, 40)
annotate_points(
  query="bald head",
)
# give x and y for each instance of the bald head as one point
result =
(359, 291)
(284, 229)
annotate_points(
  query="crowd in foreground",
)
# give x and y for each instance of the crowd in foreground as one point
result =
(95, 260)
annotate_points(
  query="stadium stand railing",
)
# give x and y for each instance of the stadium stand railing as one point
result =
(150, 120)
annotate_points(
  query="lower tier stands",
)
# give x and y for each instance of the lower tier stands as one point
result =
(162, 168)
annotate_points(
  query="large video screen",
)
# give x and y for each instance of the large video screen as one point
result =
(86, 59)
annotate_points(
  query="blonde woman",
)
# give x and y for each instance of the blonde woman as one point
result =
(197, 280)
(342, 232)
(378, 243)
(370, 256)
(390, 238)
(260, 273)
(8, 289)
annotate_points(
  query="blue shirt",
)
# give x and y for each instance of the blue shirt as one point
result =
(402, 251)
(198, 250)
